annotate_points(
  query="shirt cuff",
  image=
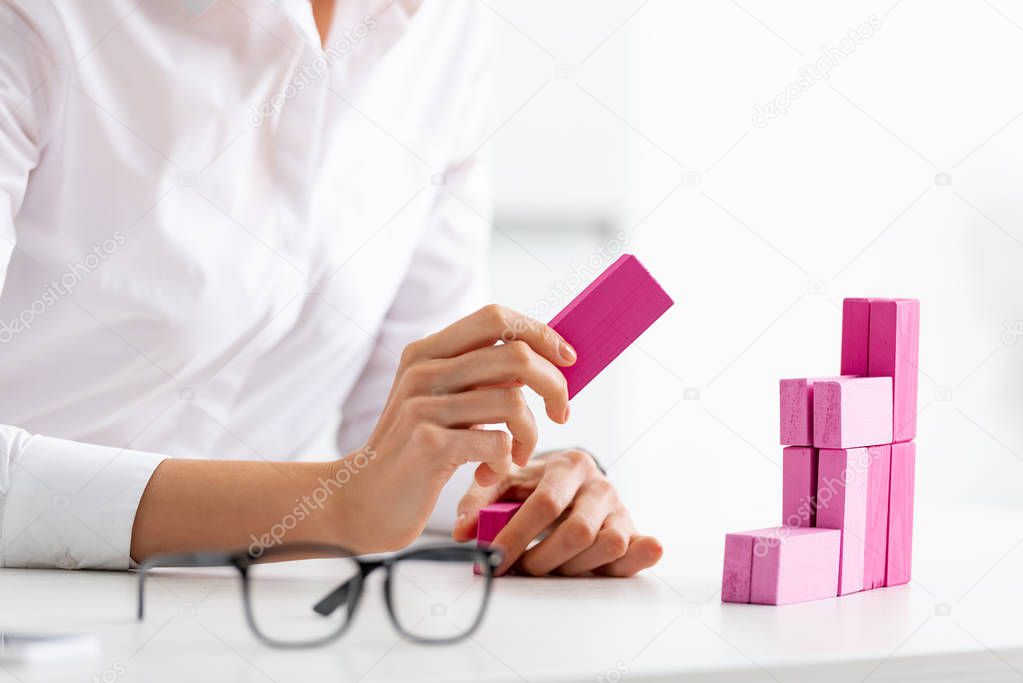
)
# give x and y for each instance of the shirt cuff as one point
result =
(71, 505)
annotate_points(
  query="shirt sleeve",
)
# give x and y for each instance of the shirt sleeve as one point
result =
(62, 503)
(68, 504)
(448, 275)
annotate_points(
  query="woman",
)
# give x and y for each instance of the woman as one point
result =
(223, 221)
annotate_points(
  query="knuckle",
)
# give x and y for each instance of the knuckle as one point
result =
(577, 457)
(502, 441)
(495, 314)
(578, 533)
(418, 408)
(413, 377)
(514, 399)
(605, 489)
(520, 352)
(421, 378)
(528, 437)
(412, 352)
(427, 437)
(548, 504)
(614, 543)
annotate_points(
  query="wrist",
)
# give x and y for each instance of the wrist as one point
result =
(349, 511)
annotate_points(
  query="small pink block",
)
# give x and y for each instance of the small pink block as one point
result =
(738, 569)
(491, 520)
(781, 565)
(796, 411)
(842, 504)
(850, 412)
(799, 486)
(855, 336)
(894, 352)
(607, 316)
(794, 564)
(876, 538)
(900, 514)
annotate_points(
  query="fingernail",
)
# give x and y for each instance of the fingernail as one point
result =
(567, 352)
(460, 520)
(568, 409)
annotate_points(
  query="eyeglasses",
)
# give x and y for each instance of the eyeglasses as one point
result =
(305, 595)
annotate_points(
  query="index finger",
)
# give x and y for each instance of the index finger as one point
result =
(486, 327)
(543, 507)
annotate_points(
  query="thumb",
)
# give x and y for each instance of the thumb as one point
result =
(469, 508)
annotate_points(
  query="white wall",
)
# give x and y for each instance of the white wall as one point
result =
(759, 232)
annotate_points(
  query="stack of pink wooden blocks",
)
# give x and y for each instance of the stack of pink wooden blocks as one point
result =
(848, 469)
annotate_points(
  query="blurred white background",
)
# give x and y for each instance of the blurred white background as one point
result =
(897, 175)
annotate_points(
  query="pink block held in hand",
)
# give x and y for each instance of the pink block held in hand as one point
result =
(491, 520)
(607, 316)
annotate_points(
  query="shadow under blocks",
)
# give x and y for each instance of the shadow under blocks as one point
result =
(847, 470)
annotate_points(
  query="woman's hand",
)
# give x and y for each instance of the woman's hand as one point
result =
(446, 385)
(565, 492)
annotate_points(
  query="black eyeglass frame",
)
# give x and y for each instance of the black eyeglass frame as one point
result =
(348, 594)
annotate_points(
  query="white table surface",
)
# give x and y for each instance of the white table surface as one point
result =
(961, 619)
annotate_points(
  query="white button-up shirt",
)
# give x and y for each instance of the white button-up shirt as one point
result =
(215, 234)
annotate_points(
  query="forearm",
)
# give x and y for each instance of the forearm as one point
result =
(206, 504)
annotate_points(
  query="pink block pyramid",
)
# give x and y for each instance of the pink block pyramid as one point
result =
(848, 470)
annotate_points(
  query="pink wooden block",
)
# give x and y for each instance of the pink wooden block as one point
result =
(796, 411)
(900, 514)
(855, 336)
(849, 412)
(842, 504)
(799, 486)
(794, 564)
(894, 352)
(607, 316)
(735, 577)
(875, 540)
(492, 519)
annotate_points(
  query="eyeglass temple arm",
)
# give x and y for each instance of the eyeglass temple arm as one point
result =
(342, 594)
(205, 559)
